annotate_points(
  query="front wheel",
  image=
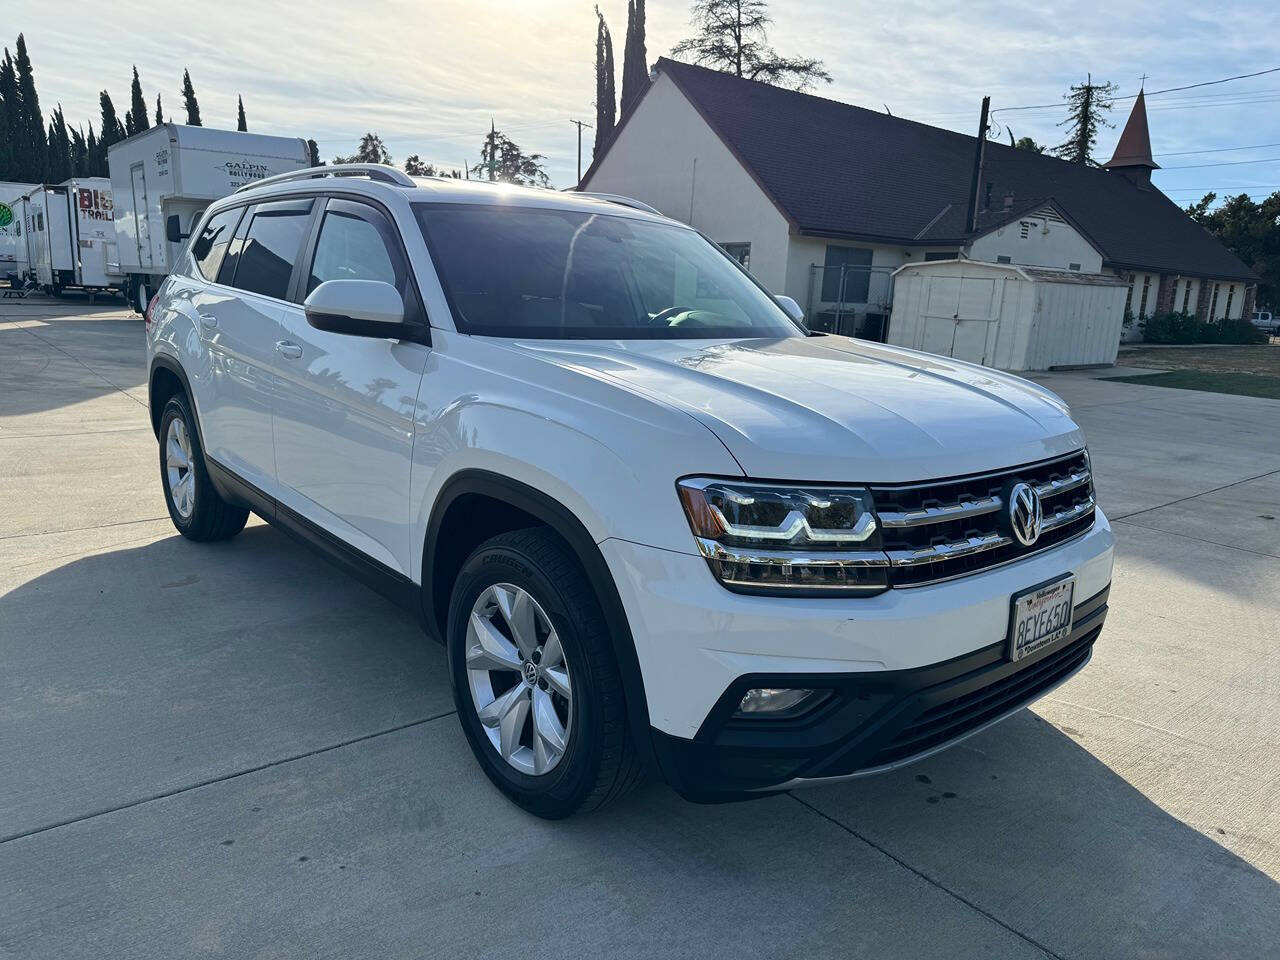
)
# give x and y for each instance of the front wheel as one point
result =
(536, 684)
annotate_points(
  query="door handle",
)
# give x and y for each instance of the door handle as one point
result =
(288, 349)
(208, 320)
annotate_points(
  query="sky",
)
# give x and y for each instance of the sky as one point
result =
(429, 76)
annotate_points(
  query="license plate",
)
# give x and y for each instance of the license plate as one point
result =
(1041, 616)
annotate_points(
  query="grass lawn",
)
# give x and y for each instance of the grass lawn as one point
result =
(1261, 359)
(1241, 384)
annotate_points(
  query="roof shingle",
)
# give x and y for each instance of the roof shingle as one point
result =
(838, 170)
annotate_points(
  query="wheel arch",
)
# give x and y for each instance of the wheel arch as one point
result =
(166, 372)
(439, 567)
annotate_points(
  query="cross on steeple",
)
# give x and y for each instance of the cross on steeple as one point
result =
(1142, 81)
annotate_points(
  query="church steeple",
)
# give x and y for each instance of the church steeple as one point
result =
(1132, 158)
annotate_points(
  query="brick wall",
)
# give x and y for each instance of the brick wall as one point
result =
(1164, 297)
(1202, 299)
(1250, 296)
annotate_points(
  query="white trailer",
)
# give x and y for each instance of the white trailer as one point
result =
(1008, 316)
(71, 235)
(13, 243)
(164, 178)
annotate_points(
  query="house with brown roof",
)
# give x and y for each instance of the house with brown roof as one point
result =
(823, 200)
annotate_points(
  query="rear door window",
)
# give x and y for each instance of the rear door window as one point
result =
(210, 247)
(271, 247)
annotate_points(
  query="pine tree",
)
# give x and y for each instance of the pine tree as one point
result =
(138, 106)
(159, 112)
(60, 166)
(732, 37)
(29, 134)
(606, 99)
(1088, 103)
(189, 98)
(8, 118)
(240, 122)
(635, 68)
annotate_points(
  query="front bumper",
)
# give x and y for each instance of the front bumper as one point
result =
(889, 658)
(870, 722)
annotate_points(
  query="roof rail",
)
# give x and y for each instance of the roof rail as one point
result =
(374, 171)
(620, 200)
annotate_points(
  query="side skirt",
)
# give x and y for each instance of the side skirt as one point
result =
(392, 584)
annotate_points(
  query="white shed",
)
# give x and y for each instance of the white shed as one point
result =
(1007, 316)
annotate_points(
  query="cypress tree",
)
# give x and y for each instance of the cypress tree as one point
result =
(60, 167)
(240, 122)
(314, 149)
(112, 131)
(30, 138)
(635, 68)
(79, 155)
(189, 98)
(138, 106)
(159, 112)
(94, 164)
(8, 118)
(606, 99)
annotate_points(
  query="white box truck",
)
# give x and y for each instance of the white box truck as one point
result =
(13, 243)
(164, 178)
(71, 235)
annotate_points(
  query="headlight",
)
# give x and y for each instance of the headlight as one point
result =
(775, 538)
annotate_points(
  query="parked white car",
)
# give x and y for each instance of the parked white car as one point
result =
(658, 526)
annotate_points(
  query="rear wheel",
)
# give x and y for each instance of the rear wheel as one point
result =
(194, 505)
(537, 687)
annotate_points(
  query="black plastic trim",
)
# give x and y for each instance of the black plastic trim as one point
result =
(729, 758)
(562, 520)
(392, 584)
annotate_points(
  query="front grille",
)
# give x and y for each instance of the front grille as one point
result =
(954, 718)
(950, 528)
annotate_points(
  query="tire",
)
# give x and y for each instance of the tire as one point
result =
(198, 512)
(139, 298)
(598, 763)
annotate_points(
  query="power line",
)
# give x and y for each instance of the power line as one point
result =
(1153, 93)
(1231, 163)
(1188, 153)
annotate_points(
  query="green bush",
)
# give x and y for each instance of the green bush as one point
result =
(1184, 328)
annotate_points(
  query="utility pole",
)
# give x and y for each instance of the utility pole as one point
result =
(971, 217)
(580, 124)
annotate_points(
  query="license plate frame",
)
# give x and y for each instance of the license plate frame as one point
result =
(1028, 604)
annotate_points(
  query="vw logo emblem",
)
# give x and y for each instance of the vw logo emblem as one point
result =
(530, 672)
(1025, 513)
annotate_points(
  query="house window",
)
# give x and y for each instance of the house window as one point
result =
(1186, 296)
(1073, 266)
(1213, 304)
(740, 252)
(1231, 295)
(1004, 259)
(853, 265)
(1128, 300)
(940, 255)
(1146, 291)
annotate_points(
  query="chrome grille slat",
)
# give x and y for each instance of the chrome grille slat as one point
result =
(947, 551)
(1063, 517)
(958, 526)
(928, 515)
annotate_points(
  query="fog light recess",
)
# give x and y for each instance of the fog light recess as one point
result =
(767, 702)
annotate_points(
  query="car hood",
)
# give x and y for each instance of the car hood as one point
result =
(828, 408)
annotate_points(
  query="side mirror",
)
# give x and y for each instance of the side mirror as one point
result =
(173, 229)
(360, 308)
(791, 307)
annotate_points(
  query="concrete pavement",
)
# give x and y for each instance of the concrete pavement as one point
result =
(234, 750)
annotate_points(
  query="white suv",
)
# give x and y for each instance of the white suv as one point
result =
(658, 525)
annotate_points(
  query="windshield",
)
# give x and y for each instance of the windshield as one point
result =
(561, 274)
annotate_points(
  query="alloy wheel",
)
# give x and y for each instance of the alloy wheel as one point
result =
(177, 465)
(519, 679)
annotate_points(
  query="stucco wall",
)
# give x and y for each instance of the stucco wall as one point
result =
(1048, 243)
(668, 157)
